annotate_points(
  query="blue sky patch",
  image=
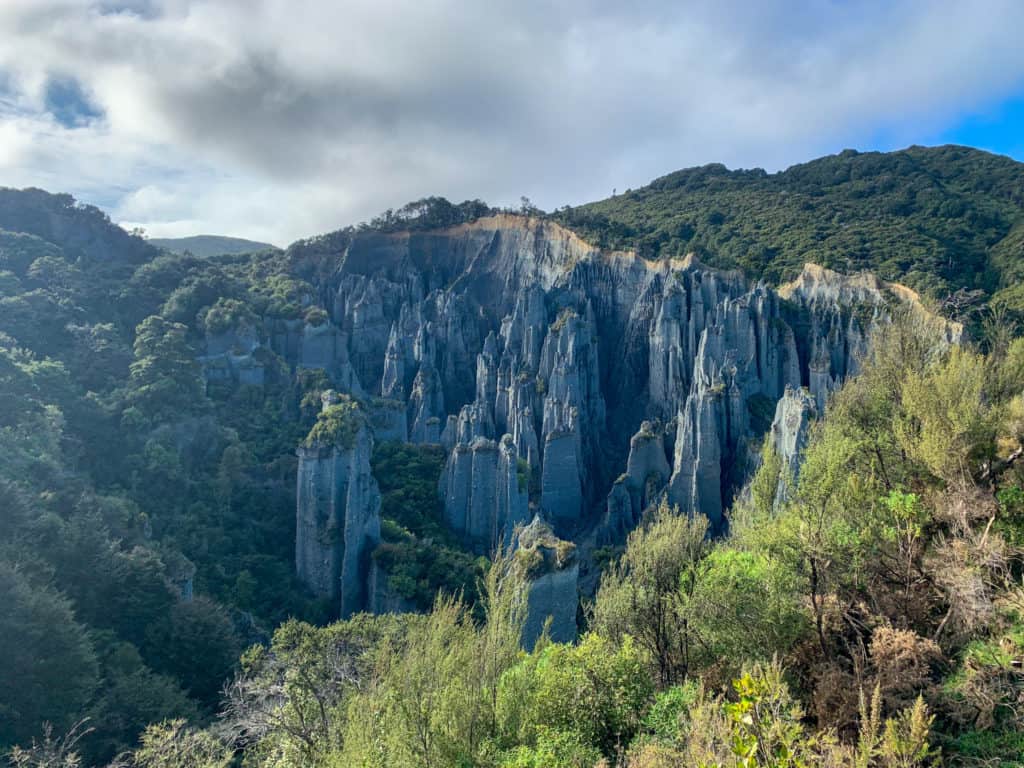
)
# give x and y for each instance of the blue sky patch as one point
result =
(67, 102)
(999, 129)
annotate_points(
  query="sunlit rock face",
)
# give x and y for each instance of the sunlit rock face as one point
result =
(746, 354)
(839, 313)
(573, 383)
(789, 434)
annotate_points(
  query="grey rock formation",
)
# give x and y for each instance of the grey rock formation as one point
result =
(324, 346)
(229, 368)
(242, 339)
(552, 571)
(229, 356)
(397, 357)
(485, 492)
(843, 311)
(520, 417)
(387, 419)
(746, 352)
(621, 512)
(647, 473)
(426, 406)
(790, 430)
(527, 352)
(838, 335)
(285, 338)
(647, 466)
(512, 508)
(337, 507)
(573, 415)
(697, 480)
(321, 346)
(240, 354)
(562, 477)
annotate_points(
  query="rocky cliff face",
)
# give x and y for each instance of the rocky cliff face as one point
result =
(838, 313)
(237, 354)
(647, 473)
(552, 570)
(746, 354)
(338, 507)
(485, 492)
(789, 434)
(547, 367)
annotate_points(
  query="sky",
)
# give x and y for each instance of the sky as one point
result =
(281, 119)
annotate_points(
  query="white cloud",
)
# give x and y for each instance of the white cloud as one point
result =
(275, 119)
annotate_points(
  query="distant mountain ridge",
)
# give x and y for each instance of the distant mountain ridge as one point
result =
(210, 245)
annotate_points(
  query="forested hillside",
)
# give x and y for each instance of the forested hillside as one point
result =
(148, 531)
(126, 484)
(859, 604)
(937, 219)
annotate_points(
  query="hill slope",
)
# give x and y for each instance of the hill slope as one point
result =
(937, 219)
(204, 246)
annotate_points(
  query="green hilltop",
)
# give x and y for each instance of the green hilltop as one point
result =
(938, 219)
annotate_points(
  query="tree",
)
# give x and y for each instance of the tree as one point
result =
(424, 709)
(47, 663)
(292, 698)
(165, 381)
(196, 644)
(52, 751)
(767, 731)
(644, 594)
(946, 423)
(132, 696)
(745, 607)
(436, 693)
(595, 689)
(527, 208)
(173, 744)
(504, 594)
(554, 749)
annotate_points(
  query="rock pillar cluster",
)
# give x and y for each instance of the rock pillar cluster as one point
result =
(547, 368)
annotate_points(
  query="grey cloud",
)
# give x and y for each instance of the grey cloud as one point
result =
(315, 114)
(147, 9)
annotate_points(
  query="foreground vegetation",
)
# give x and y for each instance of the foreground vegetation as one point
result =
(875, 618)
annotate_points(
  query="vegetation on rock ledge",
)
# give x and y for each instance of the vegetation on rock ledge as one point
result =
(338, 424)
